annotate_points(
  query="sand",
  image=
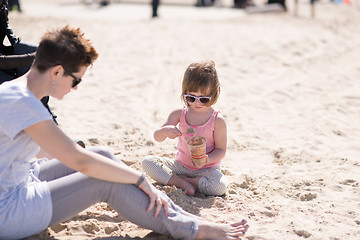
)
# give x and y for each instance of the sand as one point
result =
(290, 94)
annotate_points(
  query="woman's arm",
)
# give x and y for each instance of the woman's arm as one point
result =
(169, 129)
(55, 142)
(43, 154)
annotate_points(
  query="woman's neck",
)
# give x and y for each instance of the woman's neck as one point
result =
(36, 83)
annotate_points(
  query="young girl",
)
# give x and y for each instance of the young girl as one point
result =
(200, 90)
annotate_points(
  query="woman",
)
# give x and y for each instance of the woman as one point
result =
(36, 195)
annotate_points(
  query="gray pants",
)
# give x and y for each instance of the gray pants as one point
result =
(161, 169)
(73, 192)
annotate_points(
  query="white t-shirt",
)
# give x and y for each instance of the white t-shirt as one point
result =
(25, 202)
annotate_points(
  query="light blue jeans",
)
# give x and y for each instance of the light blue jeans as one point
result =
(73, 192)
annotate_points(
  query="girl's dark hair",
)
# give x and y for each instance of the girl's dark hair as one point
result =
(201, 76)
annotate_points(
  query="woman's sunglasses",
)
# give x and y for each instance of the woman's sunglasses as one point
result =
(192, 99)
(76, 80)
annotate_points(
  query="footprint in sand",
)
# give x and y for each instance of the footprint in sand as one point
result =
(58, 227)
(94, 141)
(91, 227)
(350, 182)
(308, 196)
(302, 233)
(112, 228)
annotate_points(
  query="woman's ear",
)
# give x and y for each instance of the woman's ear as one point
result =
(57, 72)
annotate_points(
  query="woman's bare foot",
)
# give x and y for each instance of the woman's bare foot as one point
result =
(216, 231)
(187, 187)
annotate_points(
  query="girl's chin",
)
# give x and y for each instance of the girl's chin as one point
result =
(199, 109)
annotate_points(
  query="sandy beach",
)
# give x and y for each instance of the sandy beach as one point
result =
(290, 94)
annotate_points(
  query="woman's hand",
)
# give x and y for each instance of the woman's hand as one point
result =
(156, 198)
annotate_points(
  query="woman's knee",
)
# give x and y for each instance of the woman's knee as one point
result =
(102, 151)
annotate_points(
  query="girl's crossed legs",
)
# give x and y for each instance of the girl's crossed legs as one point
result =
(209, 181)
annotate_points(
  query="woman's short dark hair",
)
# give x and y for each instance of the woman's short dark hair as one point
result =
(66, 47)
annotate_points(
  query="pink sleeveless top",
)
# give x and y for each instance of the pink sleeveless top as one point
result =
(207, 130)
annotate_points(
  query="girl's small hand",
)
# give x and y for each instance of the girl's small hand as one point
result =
(172, 132)
(156, 198)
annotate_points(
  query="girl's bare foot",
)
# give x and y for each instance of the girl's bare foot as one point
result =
(217, 231)
(187, 187)
(193, 181)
